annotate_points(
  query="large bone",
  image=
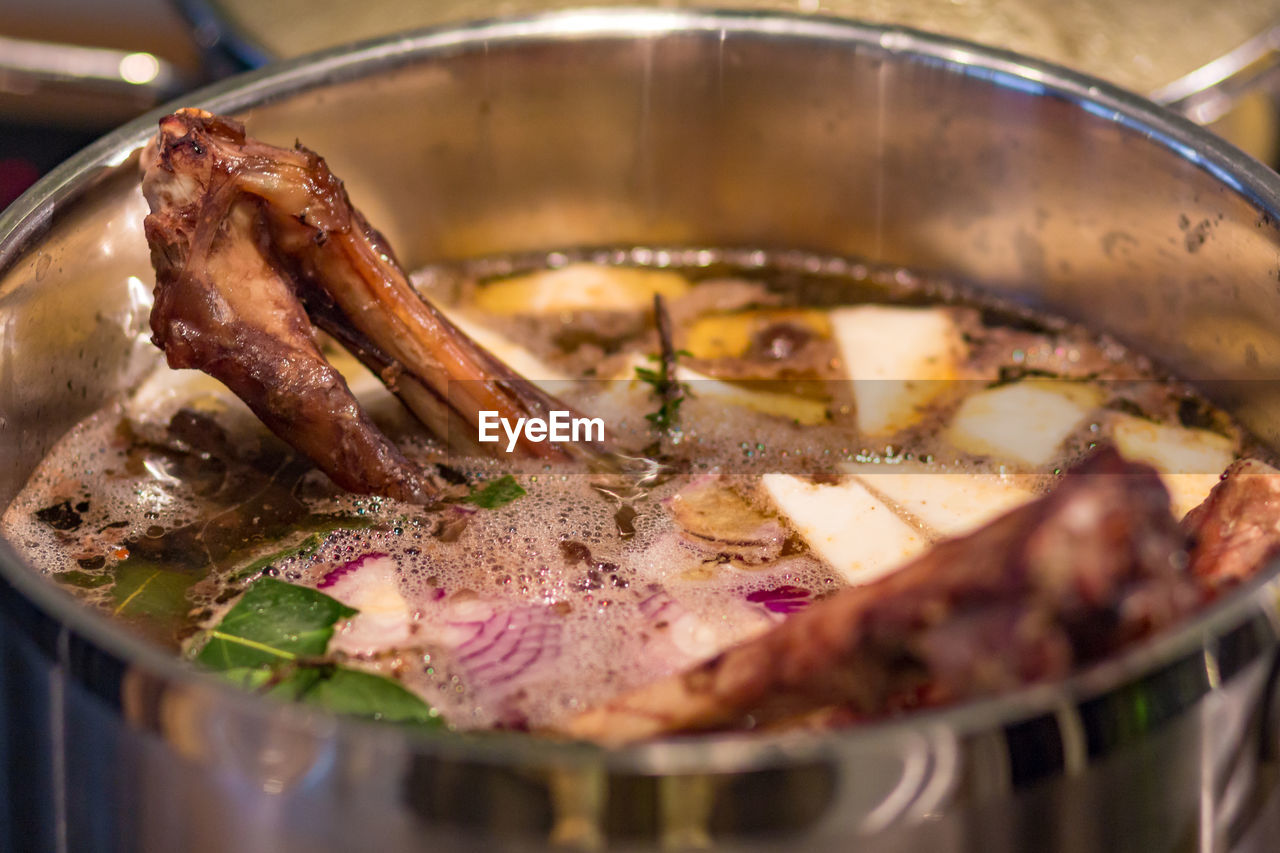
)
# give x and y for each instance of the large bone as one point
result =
(1053, 584)
(1237, 528)
(249, 242)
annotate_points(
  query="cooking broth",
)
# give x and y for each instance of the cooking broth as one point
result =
(537, 591)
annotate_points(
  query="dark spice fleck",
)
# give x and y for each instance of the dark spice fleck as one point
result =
(60, 516)
(1195, 413)
(575, 552)
(624, 518)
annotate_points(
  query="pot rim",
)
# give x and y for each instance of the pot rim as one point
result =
(1252, 607)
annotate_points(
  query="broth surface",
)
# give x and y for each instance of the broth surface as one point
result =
(162, 509)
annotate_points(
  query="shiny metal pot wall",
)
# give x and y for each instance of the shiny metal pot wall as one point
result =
(671, 128)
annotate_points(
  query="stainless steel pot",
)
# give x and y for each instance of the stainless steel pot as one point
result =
(662, 128)
(1217, 63)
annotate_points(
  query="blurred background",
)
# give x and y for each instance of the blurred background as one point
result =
(56, 96)
(70, 70)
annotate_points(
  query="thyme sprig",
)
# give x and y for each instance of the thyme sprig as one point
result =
(669, 391)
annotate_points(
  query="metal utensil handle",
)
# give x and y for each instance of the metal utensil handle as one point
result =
(121, 80)
(1209, 92)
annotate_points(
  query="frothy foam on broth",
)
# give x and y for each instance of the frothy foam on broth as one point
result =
(586, 586)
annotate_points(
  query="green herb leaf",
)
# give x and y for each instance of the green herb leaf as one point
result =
(666, 388)
(670, 392)
(305, 548)
(143, 589)
(82, 580)
(285, 682)
(667, 415)
(272, 640)
(365, 694)
(322, 527)
(338, 689)
(495, 493)
(248, 677)
(273, 622)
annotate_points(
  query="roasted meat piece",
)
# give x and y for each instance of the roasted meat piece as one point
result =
(252, 244)
(1058, 582)
(1237, 528)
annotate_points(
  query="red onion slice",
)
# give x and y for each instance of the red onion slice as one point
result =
(371, 584)
(656, 604)
(501, 646)
(782, 599)
(348, 570)
(684, 637)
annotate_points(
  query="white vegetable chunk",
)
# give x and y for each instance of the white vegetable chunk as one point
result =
(1190, 461)
(699, 639)
(384, 621)
(846, 525)
(899, 360)
(1023, 421)
(949, 504)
